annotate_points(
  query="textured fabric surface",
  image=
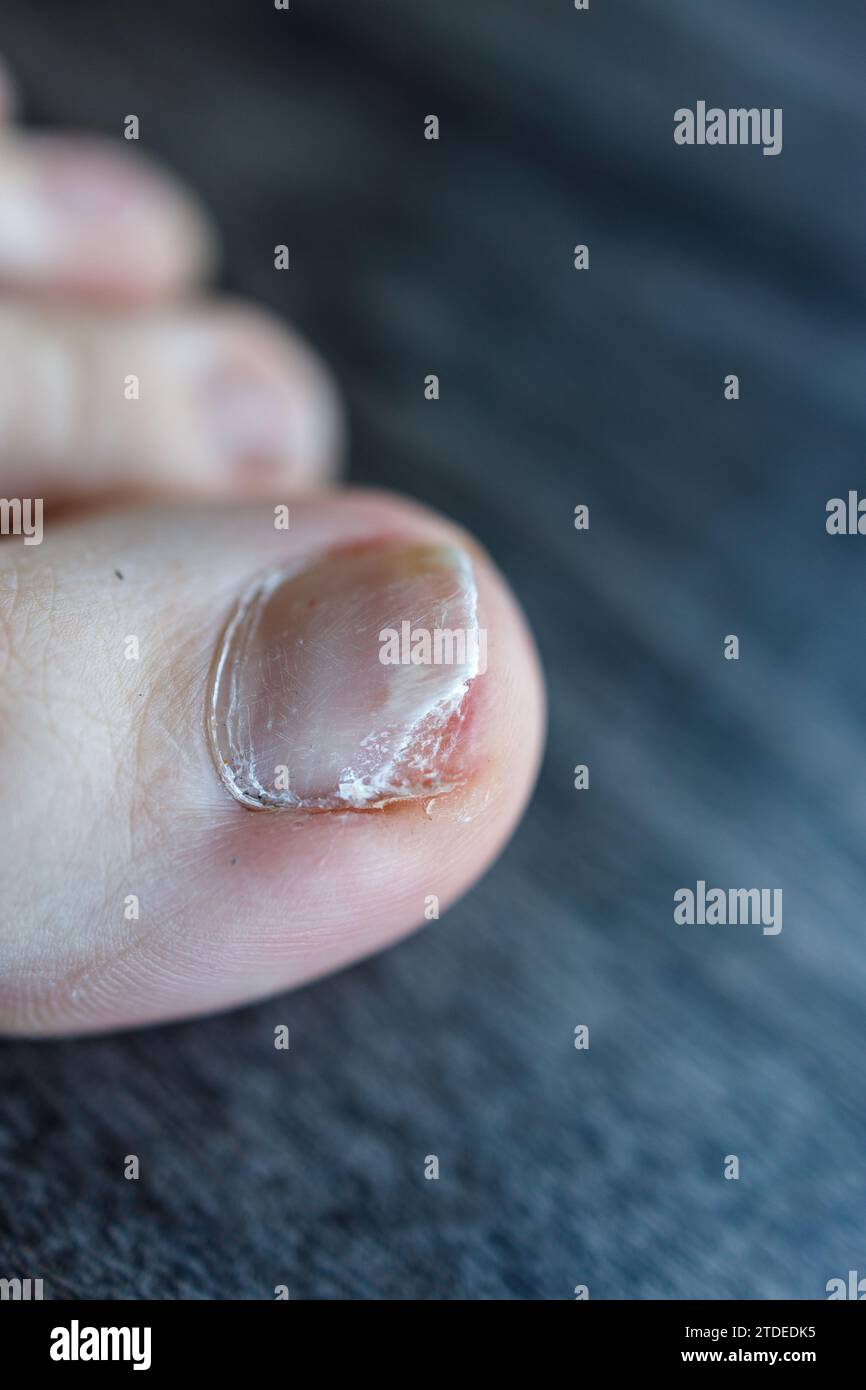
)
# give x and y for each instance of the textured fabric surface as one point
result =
(558, 1167)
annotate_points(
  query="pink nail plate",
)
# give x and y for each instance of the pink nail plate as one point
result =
(343, 683)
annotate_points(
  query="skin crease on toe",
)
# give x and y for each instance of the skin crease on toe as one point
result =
(234, 904)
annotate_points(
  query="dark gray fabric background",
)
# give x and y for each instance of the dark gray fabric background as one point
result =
(557, 1167)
